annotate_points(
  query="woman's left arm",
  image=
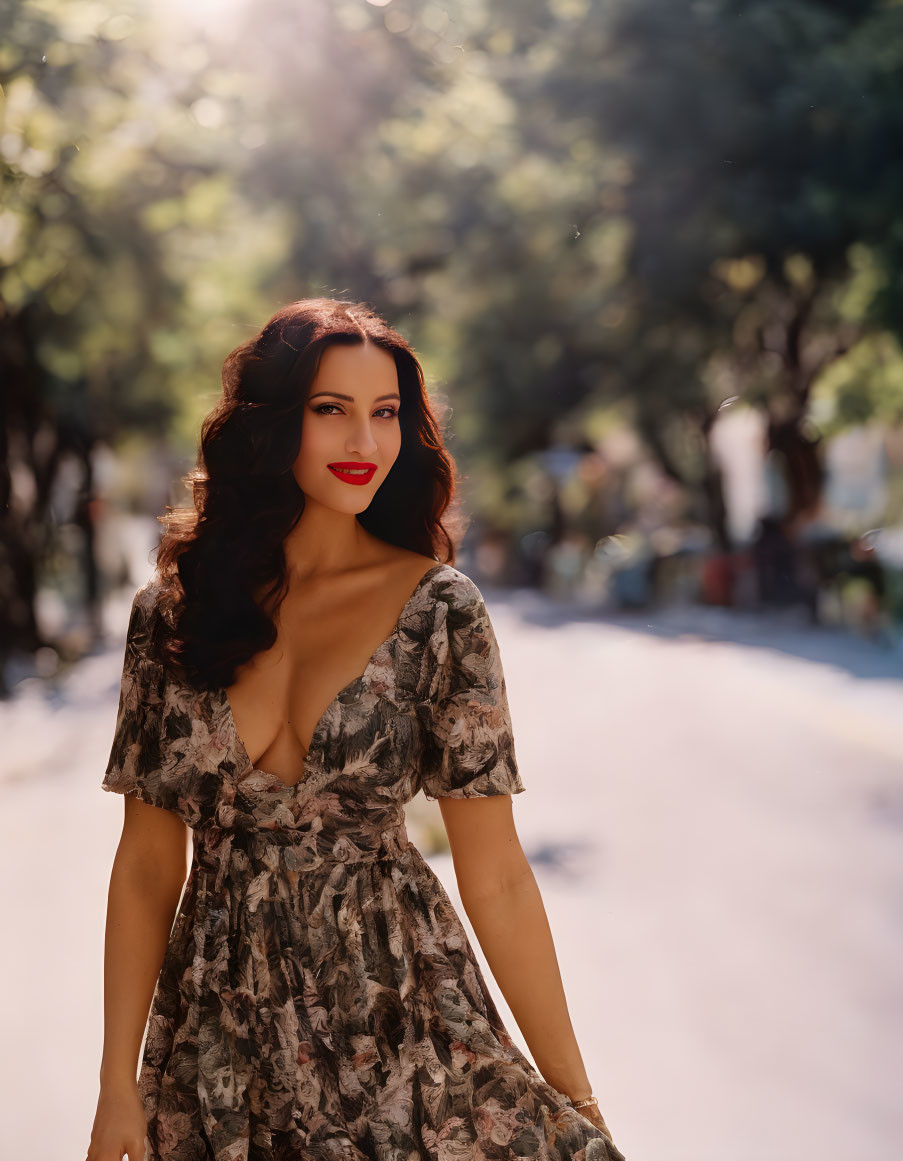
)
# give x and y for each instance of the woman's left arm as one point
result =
(503, 903)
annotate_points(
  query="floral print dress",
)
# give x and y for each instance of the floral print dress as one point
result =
(318, 999)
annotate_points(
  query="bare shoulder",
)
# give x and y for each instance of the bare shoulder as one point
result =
(405, 558)
(405, 568)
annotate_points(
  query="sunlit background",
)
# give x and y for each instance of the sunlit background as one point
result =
(649, 252)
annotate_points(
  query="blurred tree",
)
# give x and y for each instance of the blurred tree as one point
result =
(760, 143)
(139, 241)
(78, 279)
(563, 204)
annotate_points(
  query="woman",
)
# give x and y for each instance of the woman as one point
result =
(316, 996)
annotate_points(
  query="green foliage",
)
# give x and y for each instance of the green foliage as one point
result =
(866, 384)
(563, 204)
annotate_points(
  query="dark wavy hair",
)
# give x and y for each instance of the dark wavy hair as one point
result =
(215, 555)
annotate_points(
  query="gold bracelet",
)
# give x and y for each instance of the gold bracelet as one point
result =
(590, 1100)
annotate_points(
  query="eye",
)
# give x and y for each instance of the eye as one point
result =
(322, 410)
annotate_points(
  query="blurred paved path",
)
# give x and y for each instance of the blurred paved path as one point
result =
(714, 818)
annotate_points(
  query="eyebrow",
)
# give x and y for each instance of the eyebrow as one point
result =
(350, 398)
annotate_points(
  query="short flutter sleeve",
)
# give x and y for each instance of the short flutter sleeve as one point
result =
(134, 765)
(469, 746)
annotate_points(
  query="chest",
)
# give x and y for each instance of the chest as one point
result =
(323, 653)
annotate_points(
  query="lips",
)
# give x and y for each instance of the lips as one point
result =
(353, 473)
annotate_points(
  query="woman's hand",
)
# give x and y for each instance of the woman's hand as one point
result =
(592, 1114)
(120, 1125)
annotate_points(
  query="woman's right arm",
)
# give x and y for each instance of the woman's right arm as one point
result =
(146, 882)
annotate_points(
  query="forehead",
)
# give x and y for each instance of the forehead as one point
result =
(363, 370)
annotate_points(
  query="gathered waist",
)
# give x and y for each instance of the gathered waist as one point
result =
(226, 849)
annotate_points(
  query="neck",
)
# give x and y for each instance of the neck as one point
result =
(324, 542)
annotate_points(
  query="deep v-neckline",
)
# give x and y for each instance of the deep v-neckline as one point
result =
(361, 679)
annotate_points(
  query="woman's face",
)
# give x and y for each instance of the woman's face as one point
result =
(350, 422)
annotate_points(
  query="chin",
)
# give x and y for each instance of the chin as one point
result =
(345, 505)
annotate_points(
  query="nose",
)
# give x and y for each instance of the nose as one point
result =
(361, 440)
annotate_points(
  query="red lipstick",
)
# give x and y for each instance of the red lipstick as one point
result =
(353, 473)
